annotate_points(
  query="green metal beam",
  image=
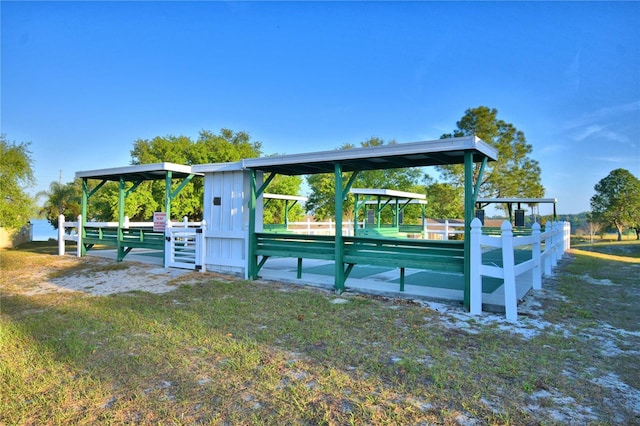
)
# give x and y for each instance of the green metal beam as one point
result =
(266, 183)
(83, 213)
(468, 217)
(339, 241)
(93, 191)
(349, 184)
(180, 187)
(133, 188)
(253, 196)
(121, 198)
(476, 189)
(167, 193)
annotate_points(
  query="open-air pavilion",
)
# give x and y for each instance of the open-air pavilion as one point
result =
(509, 202)
(373, 201)
(123, 237)
(232, 238)
(346, 251)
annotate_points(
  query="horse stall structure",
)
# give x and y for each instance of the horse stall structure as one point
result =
(124, 236)
(373, 201)
(253, 176)
(233, 238)
(519, 212)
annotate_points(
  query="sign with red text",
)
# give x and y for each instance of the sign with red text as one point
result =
(159, 221)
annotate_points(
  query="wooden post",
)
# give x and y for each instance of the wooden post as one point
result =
(61, 235)
(536, 272)
(338, 240)
(79, 237)
(476, 268)
(83, 213)
(120, 235)
(508, 268)
(201, 246)
(253, 245)
(468, 216)
(548, 249)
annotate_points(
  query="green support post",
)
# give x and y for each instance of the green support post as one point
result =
(167, 194)
(121, 199)
(253, 258)
(339, 241)
(468, 216)
(83, 213)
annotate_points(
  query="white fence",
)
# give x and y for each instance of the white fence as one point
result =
(64, 236)
(555, 239)
(310, 227)
(441, 231)
(434, 231)
(185, 245)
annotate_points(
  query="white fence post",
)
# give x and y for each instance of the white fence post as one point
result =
(536, 272)
(548, 249)
(201, 246)
(61, 235)
(475, 295)
(79, 236)
(555, 239)
(508, 266)
(168, 236)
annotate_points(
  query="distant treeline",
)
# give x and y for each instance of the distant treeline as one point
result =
(578, 221)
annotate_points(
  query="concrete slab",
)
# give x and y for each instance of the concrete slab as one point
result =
(374, 280)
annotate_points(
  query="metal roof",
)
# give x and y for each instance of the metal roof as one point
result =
(155, 171)
(284, 197)
(391, 193)
(514, 200)
(413, 154)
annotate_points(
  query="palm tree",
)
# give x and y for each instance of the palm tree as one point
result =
(60, 199)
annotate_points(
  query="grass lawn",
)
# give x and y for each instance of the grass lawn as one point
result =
(218, 350)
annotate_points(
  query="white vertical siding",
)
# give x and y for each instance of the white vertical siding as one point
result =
(228, 223)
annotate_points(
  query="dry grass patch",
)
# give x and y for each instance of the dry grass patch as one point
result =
(216, 350)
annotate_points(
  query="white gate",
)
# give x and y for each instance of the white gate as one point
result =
(184, 246)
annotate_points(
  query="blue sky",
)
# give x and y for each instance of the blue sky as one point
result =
(82, 81)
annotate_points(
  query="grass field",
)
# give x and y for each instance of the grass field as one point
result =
(218, 350)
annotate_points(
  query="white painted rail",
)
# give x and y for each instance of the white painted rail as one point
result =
(555, 239)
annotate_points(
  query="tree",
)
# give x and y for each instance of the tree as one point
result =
(322, 196)
(16, 174)
(514, 174)
(274, 211)
(617, 201)
(149, 196)
(444, 201)
(61, 199)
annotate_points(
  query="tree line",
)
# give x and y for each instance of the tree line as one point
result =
(515, 174)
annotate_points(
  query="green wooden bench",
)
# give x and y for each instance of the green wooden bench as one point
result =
(101, 236)
(517, 231)
(445, 256)
(382, 232)
(297, 246)
(143, 238)
(131, 238)
(411, 229)
(278, 228)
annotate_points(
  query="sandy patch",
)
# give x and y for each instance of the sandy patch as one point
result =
(98, 277)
